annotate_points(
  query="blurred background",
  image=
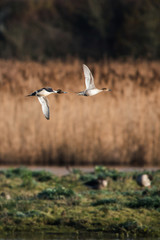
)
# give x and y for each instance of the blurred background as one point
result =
(48, 29)
(44, 43)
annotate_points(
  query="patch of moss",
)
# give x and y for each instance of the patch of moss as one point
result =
(42, 176)
(104, 201)
(146, 202)
(56, 193)
(41, 201)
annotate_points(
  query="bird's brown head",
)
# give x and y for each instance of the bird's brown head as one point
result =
(106, 89)
(60, 91)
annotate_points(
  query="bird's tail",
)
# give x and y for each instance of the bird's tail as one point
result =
(80, 93)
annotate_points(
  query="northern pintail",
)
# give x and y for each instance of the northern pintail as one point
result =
(144, 180)
(5, 195)
(42, 94)
(90, 86)
(98, 183)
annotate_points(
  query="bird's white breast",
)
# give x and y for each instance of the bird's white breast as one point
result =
(94, 91)
(43, 93)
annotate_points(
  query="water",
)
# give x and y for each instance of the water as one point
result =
(61, 171)
(69, 236)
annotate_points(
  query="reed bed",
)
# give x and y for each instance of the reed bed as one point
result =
(118, 127)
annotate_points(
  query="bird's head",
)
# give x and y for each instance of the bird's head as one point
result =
(106, 89)
(60, 91)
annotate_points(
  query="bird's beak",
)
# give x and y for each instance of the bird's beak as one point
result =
(70, 92)
(109, 90)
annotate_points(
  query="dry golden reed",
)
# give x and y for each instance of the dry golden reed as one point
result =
(118, 127)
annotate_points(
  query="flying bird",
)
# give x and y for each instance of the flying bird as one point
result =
(90, 86)
(42, 94)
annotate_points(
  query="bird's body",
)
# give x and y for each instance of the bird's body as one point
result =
(90, 90)
(98, 183)
(42, 94)
(144, 180)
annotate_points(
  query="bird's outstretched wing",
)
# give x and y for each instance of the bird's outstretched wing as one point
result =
(45, 106)
(89, 80)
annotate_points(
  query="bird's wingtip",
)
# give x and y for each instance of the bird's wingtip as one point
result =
(85, 68)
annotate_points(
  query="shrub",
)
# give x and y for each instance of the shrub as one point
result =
(56, 193)
(104, 201)
(146, 202)
(42, 176)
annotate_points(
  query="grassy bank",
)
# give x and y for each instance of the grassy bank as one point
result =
(40, 201)
(120, 127)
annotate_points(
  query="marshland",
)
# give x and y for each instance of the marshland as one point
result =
(121, 127)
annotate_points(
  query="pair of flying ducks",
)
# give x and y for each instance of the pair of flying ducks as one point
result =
(89, 91)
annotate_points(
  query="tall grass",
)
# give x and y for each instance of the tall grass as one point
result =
(119, 127)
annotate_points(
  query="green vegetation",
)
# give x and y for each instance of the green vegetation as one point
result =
(40, 201)
(56, 193)
(47, 29)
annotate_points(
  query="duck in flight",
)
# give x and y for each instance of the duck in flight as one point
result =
(42, 94)
(90, 86)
